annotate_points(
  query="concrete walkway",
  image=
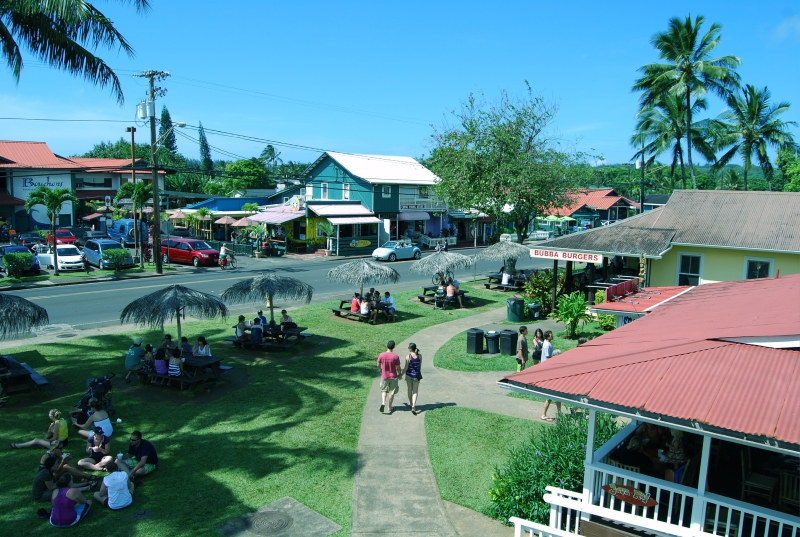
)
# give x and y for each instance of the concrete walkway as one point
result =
(395, 492)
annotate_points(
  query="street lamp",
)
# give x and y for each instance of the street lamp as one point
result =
(156, 198)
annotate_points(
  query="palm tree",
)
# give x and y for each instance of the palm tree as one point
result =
(662, 127)
(138, 193)
(203, 214)
(690, 71)
(60, 33)
(750, 126)
(271, 157)
(269, 287)
(251, 208)
(52, 200)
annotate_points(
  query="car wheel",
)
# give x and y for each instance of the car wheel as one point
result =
(101, 266)
(417, 254)
(165, 258)
(392, 257)
(195, 262)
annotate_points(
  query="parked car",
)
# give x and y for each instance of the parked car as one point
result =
(69, 257)
(122, 231)
(394, 250)
(181, 232)
(194, 251)
(35, 267)
(28, 239)
(95, 252)
(84, 236)
(63, 236)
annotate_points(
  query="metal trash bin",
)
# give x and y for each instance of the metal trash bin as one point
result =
(515, 309)
(492, 342)
(508, 342)
(475, 341)
(534, 311)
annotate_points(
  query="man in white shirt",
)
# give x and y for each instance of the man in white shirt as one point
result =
(390, 309)
(506, 278)
(547, 352)
(116, 492)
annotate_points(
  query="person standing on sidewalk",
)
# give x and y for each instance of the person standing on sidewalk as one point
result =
(413, 373)
(547, 352)
(522, 348)
(389, 364)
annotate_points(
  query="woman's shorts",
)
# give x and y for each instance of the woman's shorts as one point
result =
(412, 381)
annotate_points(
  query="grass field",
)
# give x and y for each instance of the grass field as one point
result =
(465, 446)
(283, 424)
(71, 275)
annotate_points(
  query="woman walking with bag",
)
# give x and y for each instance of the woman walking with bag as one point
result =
(413, 373)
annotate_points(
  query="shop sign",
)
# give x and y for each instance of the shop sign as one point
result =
(360, 243)
(25, 185)
(630, 495)
(584, 257)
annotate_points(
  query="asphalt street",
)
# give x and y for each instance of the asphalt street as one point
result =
(99, 304)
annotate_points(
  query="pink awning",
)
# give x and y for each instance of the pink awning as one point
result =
(355, 220)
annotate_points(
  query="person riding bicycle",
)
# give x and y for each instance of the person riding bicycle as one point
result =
(226, 256)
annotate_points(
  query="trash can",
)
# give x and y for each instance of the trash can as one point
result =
(492, 342)
(475, 341)
(514, 311)
(534, 310)
(508, 342)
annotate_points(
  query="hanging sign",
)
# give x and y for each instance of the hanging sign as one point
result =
(630, 495)
(586, 257)
(359, 244)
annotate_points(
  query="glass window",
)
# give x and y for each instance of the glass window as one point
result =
(324, 190)
(387, 192)
(346, 230)
(346, 191)
(757, 268)
(689, 270)
(309, 192)
(300, 230)
(369, 230)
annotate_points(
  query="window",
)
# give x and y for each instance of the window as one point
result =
(3, 180)
(423, 192)
(318, 229)
(309, 192)
(94, 182)
(346, 231)
(386, 191)
(690, 269)
(369, 230)
(300, 230)
(345, 191)
(757, 267)
(323, 187)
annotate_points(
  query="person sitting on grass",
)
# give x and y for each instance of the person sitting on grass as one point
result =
(97, 449)
(57, 432)
(98, 418)
(256, 332)
(69, 504)
(63, 465)
(116, 492)
(141, 457)
(390, 308)
(133, 360)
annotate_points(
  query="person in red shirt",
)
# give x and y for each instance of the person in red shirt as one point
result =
(389, 364)
(355, 304)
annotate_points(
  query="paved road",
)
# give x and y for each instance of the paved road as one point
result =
(99, 304)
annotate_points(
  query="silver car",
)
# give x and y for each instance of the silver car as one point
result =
(394, 250)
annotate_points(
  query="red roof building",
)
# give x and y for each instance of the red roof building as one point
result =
(604, 202)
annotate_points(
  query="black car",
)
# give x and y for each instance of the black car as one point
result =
(28, 239)
(84, 236)
(34, 269)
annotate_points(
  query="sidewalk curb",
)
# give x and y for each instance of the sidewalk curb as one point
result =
(34, 285)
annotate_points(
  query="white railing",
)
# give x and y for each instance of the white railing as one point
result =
(523, 528)
(411, 202)
(732, 518)
(564, 518)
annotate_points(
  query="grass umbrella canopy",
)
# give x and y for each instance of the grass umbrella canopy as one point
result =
(504, 250)
(18, 316)
(269, 287)
(441, 261)
(155, 309)
(244, 222)
(363, 271)
(225, 220)
(177, 215)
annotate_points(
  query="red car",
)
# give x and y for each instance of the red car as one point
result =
(194, 251)
(63, 236)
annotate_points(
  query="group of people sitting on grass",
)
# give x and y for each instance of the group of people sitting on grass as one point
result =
(259, 324)
(371, 304)
(63, 483)
(165, 361)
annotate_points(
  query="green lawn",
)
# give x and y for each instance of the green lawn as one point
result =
(71, 275)
(465, 446)
(290, 429)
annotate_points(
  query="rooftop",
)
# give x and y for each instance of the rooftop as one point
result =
(594, 198)
(379, 169)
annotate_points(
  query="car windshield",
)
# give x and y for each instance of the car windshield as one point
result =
(199, 245)
(114, 246)
(390, 245)
(64, 234)
(71, 251)
(17, 249)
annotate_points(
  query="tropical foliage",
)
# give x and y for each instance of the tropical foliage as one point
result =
(17, 263)
(53, 200)
(116, 258)
(571, 310)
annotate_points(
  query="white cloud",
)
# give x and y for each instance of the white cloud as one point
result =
(788, 28)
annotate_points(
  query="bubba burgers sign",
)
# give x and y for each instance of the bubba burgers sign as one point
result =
(586, 257)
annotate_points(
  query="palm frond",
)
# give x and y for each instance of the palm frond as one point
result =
(18, 316)
(441, 261)
(504, 250)
(169, 303)
(267, 286)
(363, 271)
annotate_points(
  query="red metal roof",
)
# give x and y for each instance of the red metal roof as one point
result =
(31, 155)
(8, 199)
(641, 301)
(671, 362)
(595, 198)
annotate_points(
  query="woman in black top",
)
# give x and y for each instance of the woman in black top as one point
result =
(413, 373)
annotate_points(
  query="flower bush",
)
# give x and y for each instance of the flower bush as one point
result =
(553, 456)
(606, 321)
(538, 288)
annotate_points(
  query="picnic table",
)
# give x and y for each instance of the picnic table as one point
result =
(344, 309)
(273, 338)
(497, 281)
(19, 377)
(430, 295)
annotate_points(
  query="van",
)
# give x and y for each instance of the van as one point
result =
(122, 231)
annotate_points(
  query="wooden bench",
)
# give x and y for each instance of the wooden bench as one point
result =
(342, 312)
(265, 345)
(183, 379)
(35, 377)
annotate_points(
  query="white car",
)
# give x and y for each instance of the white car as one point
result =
(69, 257)
(393, 250)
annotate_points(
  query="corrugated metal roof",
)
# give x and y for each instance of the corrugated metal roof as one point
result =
(640, 301)
(595, 198)
(671, 362)
(616, 239)
(31, 155)
(380, 169)
(341, 209)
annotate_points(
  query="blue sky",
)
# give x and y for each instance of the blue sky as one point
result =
(371, 77)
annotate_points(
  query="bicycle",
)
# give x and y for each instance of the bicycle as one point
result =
(228, 261)
(442, 277)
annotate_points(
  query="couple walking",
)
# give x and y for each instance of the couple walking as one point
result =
(391, 373)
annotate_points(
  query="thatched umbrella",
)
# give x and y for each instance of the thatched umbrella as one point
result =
(506, 251)
(177, 215)
(441, 261)
(268, 286)
(154, 309)
(363, 271)
(18, 316)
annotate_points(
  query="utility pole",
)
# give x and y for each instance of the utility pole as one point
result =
(137, 236)
(641, 184)
(151, 112)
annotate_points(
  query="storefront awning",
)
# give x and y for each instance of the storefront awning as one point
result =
(341, 209)
(355, 220)
(91, 216)
(275, 217)
(414, 215)
(7, 199)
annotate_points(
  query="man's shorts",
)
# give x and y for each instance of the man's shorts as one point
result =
(137, 367)
(389, 386)
(391, 309)
(147, 467)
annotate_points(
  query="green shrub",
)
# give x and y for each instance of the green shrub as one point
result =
(605, 320)
(117, 258)
(17, 263)
(572, 309)
(553, 456)
(539, 288)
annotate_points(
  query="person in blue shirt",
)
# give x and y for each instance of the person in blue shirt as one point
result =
(256, 332)
(261, 319)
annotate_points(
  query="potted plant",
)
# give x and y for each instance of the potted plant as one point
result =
(326, 228)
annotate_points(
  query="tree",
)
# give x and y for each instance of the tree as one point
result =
(500, 157)
(224, 186)
(60, 33)
(170, 143)
(750, 127)
(690, 71)
(253, 208)
(251, 171)
(119, 149)
(206, 164)
(271, 157)
(52, 200)
(138, 193)
(789, 163)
